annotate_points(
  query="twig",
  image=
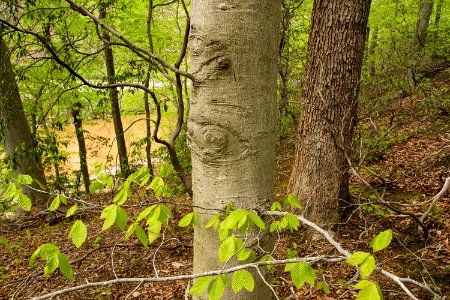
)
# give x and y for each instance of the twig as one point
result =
(399, 280)
(436, 198)
(189, 276)
(265, 281)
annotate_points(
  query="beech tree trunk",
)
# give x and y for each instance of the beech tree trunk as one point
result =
(78, 123)
(231, 125)
(329, 101)
(114, 99)
(17, 137)
(425, 10)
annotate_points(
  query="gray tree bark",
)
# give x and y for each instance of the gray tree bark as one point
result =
(17, 137)
(420, 34)
(231, 125)
(125, 169)
(329, 101)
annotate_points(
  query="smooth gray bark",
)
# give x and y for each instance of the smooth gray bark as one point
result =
(231, 125)
(425, 10)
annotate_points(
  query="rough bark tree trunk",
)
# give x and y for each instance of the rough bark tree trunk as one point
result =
(329, 101)
(114, 99)
(420, 34)
(16, 130)
(78, 123)
(231, 125)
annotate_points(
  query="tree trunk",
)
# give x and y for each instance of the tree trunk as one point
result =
(426, 8)
(125, 170)
(437, 18)
(335, 54)
(371, 52)
(78, 123)
(231, 126)
(16, 130)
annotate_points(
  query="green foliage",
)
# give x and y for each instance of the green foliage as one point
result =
(5, 243)
(368, 290)
(78, 233)
(57, 202)
(191, 218)
(200, 285)
(382, 240)
(11, 193)
(301, 273)
(71, 211)
(55, 258)
(242, 279)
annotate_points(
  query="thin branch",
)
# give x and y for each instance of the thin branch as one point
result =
(190, 276)
(135, 48)
(436, 198)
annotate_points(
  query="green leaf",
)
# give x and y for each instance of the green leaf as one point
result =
(63, 199)
(200, 285)
(24, 202)
(24, 179)
(242, 279)
(292, 200)
(213, 222)
(65, 267)
(154, 229)
(78, 233)
(292, 221)
(186, 220)
(357, 258)
(257, 220)
(368, 291)
(95, 186)
(71, 210)
(158, 186)
(216, 288)
(142, 236)
(121, 197)
(52, 264)
(224, 233)
(10, 191)
(362, 284)
(321, 285)
(233, 219)
(129, 231)
(55, 204)
(382, 240)
(121, 218)
(226, 249)
(143, 214)
(276, 206)
(367, 266)
(301, 272)
(5, 243)
(109, 214)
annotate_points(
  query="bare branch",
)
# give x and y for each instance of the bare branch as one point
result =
(436, 198)
(135, 48)
(190, 276)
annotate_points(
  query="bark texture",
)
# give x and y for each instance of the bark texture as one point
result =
(16, 132)
(231, 125)
(425, 10)
(335, 54)
(114, 99)
(82, 152)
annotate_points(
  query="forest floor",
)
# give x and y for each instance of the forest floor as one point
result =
(404, 155)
